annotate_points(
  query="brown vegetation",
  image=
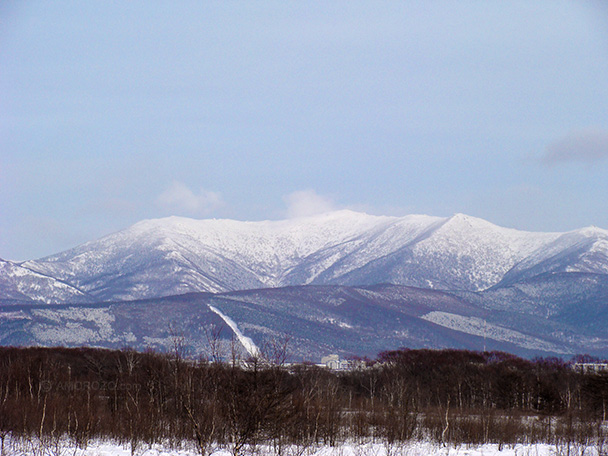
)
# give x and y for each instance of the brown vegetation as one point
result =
(48, 395)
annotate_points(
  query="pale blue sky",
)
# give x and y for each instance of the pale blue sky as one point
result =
(112, 112)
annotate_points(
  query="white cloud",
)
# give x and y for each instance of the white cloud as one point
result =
(178, 198)
(585, 145)
(304, 203)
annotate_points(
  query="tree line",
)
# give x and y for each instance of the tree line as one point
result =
(52, 395)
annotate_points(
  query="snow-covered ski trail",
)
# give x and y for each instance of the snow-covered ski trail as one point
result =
(245, 341)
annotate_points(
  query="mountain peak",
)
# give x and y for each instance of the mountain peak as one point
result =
(460, 216)
(172, 255)
(592, 231)
(468, 221)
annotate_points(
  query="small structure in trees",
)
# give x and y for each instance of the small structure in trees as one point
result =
(591, 368)
(334, 362)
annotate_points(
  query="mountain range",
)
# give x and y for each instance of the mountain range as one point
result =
(342, 282)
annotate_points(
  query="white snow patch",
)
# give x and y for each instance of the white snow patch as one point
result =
(333, 321)
(18, 315)
(480, 327)
(76, 326)
(413, 448)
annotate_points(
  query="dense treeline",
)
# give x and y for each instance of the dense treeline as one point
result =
(50, 395)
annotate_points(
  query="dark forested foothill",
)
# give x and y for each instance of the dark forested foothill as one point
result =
(451, 396)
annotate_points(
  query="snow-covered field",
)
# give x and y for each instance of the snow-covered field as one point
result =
(415, 448)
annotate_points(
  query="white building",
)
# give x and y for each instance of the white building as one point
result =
(591, 368)
(334, 362)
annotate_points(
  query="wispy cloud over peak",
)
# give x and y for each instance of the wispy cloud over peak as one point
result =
(585, 145)
(179, 199)
(304, 203)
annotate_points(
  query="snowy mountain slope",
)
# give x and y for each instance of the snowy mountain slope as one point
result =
(22, 284)
(584, 250)
(460, 253)
(171, 256)
(177, 255)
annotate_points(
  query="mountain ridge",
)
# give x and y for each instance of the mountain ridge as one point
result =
(176, 255)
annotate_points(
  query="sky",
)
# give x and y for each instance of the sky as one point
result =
(112, 112)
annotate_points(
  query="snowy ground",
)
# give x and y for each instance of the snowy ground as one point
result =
(409, 449)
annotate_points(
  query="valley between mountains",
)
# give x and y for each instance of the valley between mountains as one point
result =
(341, 282)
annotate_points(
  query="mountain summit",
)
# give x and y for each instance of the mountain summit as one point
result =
(175, 255)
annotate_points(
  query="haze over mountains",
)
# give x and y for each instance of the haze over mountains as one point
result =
(487, 285)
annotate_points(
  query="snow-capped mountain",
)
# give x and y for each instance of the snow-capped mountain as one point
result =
(164, 257)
